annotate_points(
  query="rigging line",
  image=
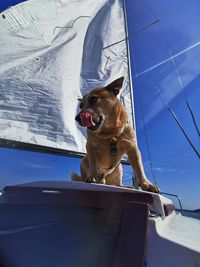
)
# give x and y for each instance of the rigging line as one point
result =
(185, 134)
(193, 118)
(144, 125)
(172, 57)
(118, 42)
(178, 122)
(147, 26)
(150, 10)
(179, 79)
(168, 59)
(147, 142)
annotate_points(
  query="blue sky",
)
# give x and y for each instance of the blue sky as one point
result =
(165, 53)
(165, 58)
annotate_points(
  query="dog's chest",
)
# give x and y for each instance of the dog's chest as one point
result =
(107, 155)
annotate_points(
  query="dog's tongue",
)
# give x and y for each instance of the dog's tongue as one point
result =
(86, 119)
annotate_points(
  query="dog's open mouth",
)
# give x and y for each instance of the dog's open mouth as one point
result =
(98, 121)
(89, 121)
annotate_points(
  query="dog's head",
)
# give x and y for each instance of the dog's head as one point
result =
(100, 108)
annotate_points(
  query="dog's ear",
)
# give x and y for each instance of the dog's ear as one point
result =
(115, 86)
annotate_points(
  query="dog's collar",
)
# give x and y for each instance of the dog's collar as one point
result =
(113, 142)
(113, 145)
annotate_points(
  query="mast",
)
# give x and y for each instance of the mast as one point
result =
(135, 182)
(129, 63)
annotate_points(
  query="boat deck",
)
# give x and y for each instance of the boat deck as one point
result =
(52, 223)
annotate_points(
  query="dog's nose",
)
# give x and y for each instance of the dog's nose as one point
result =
(78, 118)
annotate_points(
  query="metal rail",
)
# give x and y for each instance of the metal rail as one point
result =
(176, 196)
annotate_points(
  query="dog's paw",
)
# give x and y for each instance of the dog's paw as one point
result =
(90, 180)
(76, 177)
(101, 180)
(150, 187)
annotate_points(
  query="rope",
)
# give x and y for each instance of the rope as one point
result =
(181, 85)
(178, 122)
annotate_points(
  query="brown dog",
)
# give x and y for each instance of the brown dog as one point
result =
(109, 138)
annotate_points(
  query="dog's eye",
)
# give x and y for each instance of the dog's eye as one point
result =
(93, 100)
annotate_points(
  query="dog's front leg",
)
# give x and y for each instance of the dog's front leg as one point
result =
(134, 157)
(92, 175)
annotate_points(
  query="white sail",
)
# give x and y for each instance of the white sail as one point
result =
(53, 52)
